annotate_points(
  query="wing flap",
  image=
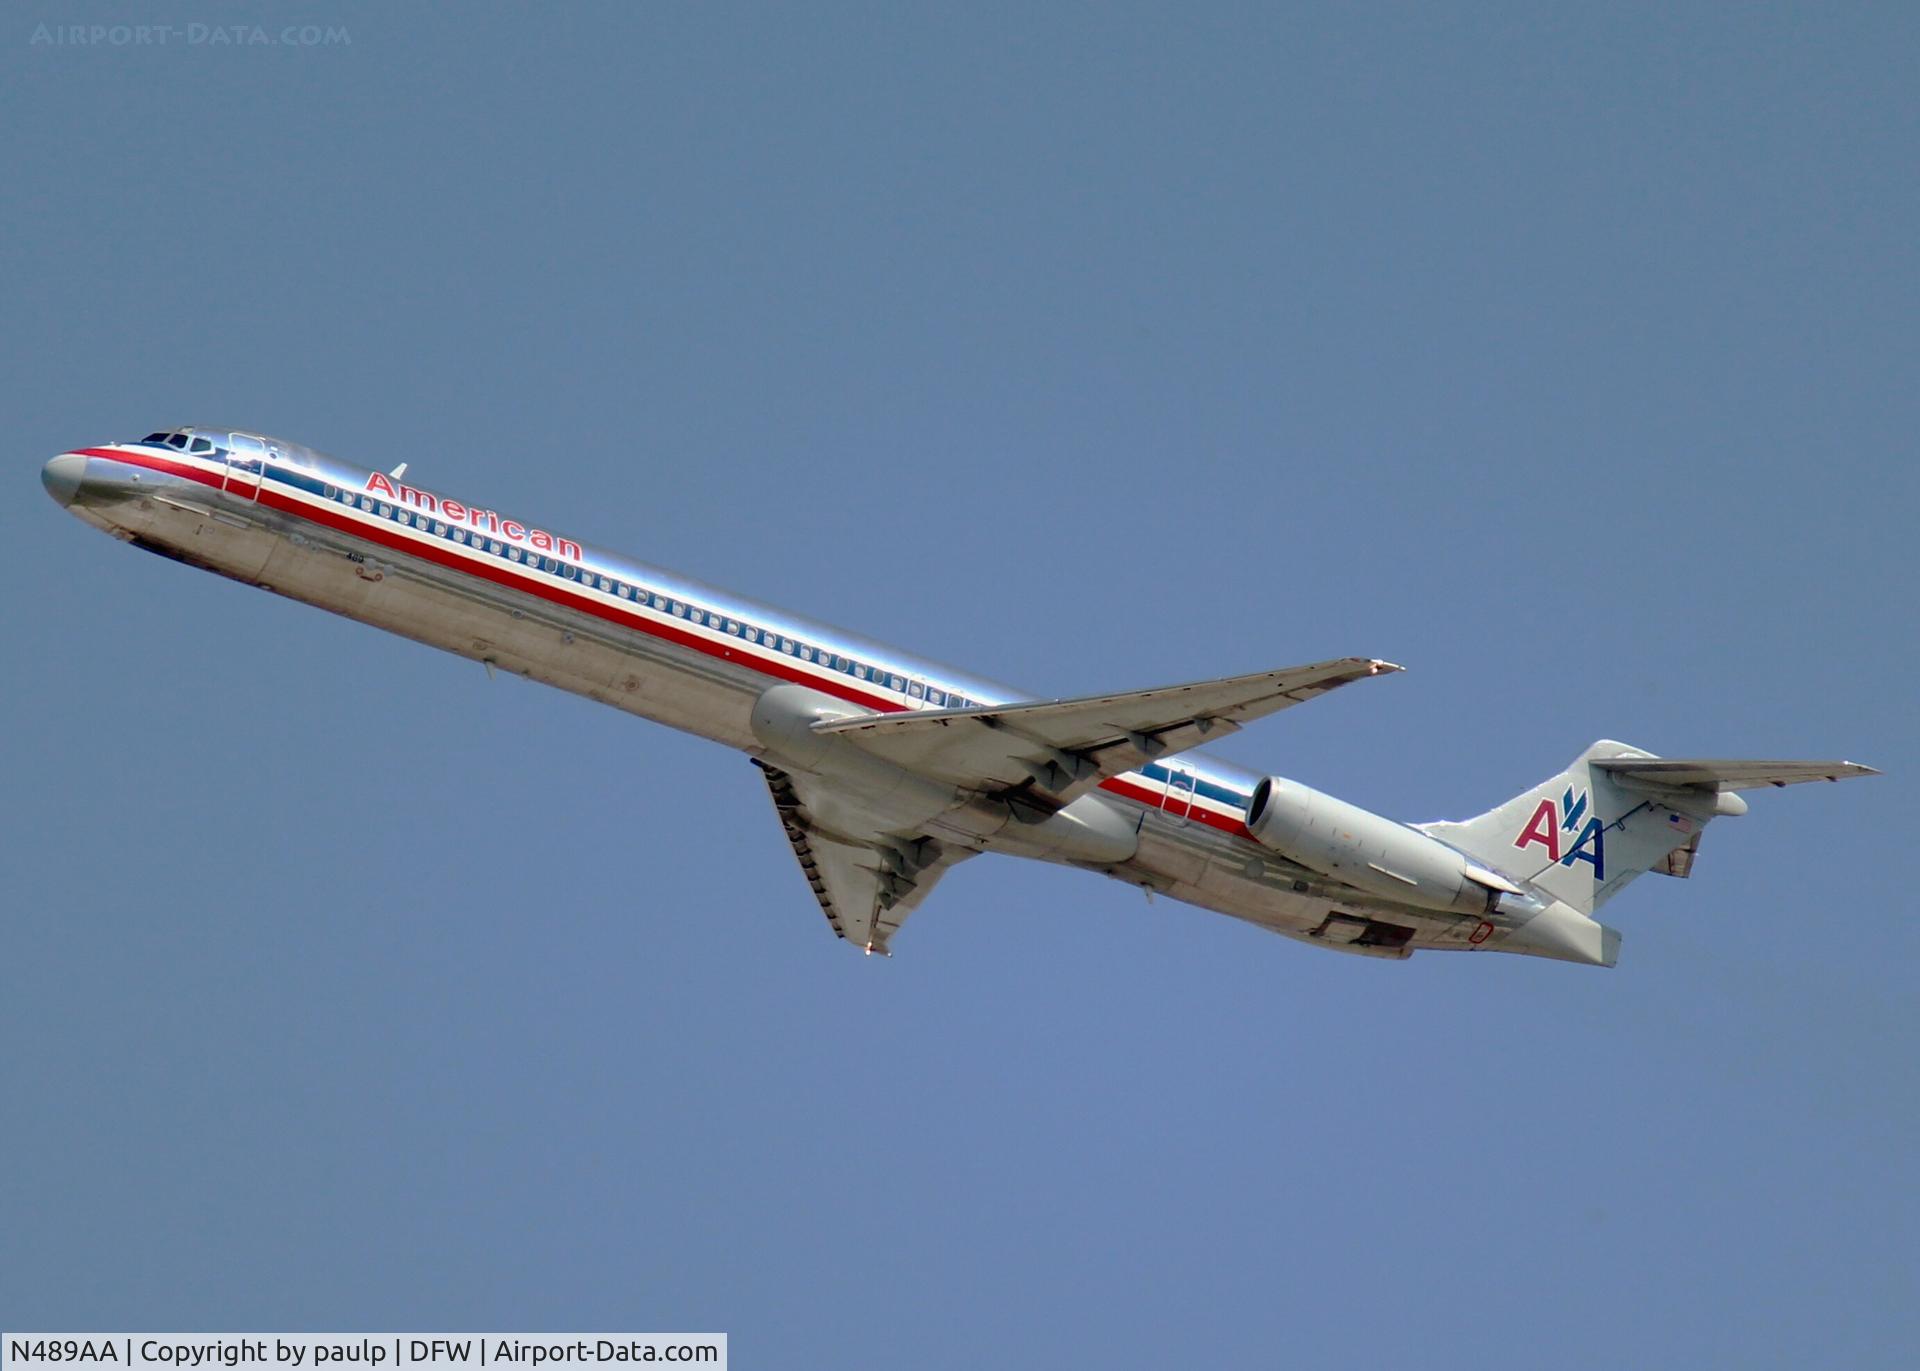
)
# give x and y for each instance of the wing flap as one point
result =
(1058, 749)
(866, 883)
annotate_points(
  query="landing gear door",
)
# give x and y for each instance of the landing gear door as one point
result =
(246, 461)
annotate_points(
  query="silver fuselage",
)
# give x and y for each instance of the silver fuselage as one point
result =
(472, 581)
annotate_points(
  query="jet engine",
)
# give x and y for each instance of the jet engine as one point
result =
(1362, 849)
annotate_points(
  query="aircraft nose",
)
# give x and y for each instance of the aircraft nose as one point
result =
(62, 477)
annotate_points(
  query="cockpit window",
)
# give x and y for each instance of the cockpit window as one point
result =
(177, 440)
(156, 438)
(200, 446)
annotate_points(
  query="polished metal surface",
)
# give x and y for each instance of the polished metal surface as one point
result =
(62, 477)
(461, 577)
(220, 509)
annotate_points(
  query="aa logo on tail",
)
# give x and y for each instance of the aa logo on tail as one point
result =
(1550, 822)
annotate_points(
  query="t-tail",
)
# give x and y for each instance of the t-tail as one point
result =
(1581, 836)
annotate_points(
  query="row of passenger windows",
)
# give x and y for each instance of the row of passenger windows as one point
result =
(663, 604)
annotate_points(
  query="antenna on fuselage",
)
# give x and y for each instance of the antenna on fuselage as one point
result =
(398, 471)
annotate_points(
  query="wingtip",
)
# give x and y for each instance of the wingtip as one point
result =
(1378, 667)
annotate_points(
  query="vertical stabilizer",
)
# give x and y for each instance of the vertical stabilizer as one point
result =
(1583, 834)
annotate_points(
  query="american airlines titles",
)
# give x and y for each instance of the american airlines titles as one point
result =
(457, 513)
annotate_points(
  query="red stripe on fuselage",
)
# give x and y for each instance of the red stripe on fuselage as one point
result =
(157, 463)
(486, 568)
(533, 583)
(1152, 799)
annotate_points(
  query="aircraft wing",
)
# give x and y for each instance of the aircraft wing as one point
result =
(1051, 751)
(867, 881)
(1726, 775)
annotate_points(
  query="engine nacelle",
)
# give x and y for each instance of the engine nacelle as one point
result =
(1360, 848)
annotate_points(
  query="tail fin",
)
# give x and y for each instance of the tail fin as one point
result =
(1582, 835)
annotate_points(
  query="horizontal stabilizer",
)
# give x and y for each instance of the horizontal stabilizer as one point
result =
(1617, 812)
(1055, 750)
(1725, 775)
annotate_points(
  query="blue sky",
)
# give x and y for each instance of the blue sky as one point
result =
(1567, 358)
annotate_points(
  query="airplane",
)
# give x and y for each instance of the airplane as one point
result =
(886, 770)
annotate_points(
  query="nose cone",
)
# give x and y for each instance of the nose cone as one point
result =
(62, 477)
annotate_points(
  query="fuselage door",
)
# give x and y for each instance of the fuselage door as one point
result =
(246, 460)
(1177, 803)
